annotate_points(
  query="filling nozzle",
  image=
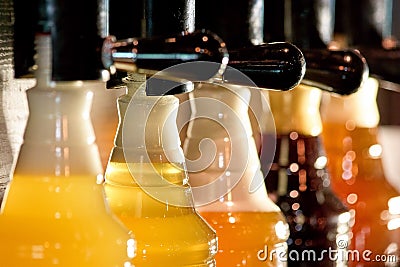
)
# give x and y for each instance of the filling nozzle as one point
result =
(337, 71)
(153, 56)
(275, 66)
(282, 66)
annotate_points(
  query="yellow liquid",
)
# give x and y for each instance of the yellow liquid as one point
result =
(59, 221)
(244, 236)
(167, 235)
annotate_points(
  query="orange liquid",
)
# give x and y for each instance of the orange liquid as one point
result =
(358, 178)
(167, 235)
(241, 236)
(59, 221)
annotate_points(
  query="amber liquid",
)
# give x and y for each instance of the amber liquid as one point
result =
(59, 221)
(301, 189)
(359, 180)
(249, 238)
(167, 235)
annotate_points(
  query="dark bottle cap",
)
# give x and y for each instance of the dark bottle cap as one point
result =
(341, 72)
(278, 66)
(157, 85)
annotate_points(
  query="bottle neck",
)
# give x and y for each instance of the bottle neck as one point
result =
(154, 126)
(134, 84)
(297, 110)
(359, 109)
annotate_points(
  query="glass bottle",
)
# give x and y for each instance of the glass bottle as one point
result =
(354, 159)
(54, 211)
(299, 182)
(227, 182)
(146, 183)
